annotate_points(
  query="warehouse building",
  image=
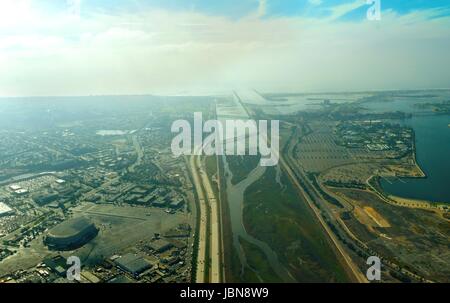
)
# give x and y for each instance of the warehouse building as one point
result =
(133, 264)
(5, 210)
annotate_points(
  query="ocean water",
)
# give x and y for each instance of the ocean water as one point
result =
(433, 155)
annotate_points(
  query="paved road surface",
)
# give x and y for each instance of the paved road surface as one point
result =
(201, 253)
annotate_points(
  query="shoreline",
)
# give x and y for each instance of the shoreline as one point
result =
(441, 205)
(441, 208)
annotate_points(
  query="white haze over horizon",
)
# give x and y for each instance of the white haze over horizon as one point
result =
(156, 51)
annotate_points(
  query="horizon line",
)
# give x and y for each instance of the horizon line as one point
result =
(311, 92)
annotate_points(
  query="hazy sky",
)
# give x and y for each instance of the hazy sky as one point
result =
(59, 47)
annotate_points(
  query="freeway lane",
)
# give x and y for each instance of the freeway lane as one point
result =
(349, 262)
(208, 205)
(201, 253)
(214, 225)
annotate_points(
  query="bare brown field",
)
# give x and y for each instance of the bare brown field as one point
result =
(374, 215)
(416, 239)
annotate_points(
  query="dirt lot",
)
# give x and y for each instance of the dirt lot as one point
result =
(417, 239)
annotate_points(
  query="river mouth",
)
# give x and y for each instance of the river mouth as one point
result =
(235, 195)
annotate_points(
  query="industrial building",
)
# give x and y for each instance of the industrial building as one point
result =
(15, 187)
(133, 264)
(21, 192)
(5, 210)
(71, 234)
(160, 245)
(45, 199)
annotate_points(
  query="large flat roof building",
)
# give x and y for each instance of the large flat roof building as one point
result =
(133, 264)
(5, 210)
(21, 192)
(15, 187)
(160, 245)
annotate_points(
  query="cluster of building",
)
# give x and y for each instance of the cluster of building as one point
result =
(143, 195)
(18, 190)
(32, 231)
(17, 153)
(157, 260)
(25, 212)
(117, 158)
(38, 209)
(376, 136)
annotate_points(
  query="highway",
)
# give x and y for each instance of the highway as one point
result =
(347, 259)
(214, 252)
(202, 214)
(208, 207)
